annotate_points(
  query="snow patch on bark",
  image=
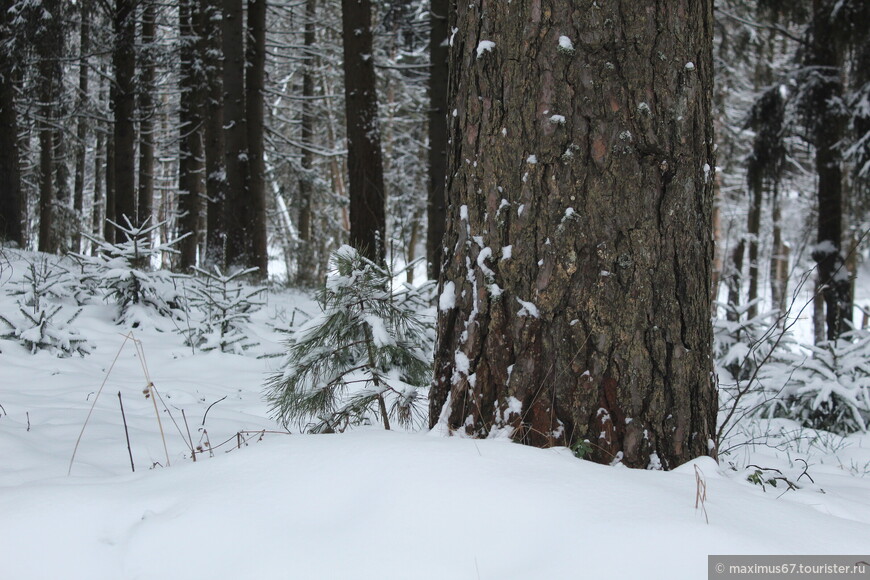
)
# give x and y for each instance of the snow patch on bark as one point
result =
(528, 309)
(447, 299)
(484, 46)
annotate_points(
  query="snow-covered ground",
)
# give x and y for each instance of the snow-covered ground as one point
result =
(366, 504)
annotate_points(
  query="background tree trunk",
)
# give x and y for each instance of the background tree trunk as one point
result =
(124, 106)
(258, 255)
(438, 75)
(11, 229)
(753, 231)
(215, 148)
(824, 64)
(237, 208)
(145, 199)
(82, 123)
(305, 269)
(368, 222)
(191, 183)
(49, 42)
(579, 233)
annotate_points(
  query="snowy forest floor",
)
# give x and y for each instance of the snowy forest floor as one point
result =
(366, 504)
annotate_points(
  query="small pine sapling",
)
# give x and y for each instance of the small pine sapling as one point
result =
(226, 305)
(124, 271)
(37, 324)
(366, 355)
(828, 389)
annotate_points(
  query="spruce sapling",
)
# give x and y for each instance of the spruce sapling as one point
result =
(226, 306)
(37, 324)
(124, 271)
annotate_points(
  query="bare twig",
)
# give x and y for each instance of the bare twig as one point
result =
(100, 390)
(204, 415)
(806, 467)
(189, 438)
(126, 432)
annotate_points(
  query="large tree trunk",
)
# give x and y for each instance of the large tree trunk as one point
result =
(364, 158)
(191, 183)
(237, 208)
(575, 305)
(438, 75)
(255, 78)
(124, 105)
(215, 146)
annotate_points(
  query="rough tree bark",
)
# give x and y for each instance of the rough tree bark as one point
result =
(575, 303)
(364, 157)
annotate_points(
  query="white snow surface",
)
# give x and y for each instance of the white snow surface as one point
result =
(366, 504)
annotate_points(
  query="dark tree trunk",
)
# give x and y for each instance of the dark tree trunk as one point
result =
(191, 184)
(438, 75)
(124, 106)
(49, 45)
(255, 78)
(305, 267)
(237, 210)
(11, 229)
(145, 199)
(215, 148)
(46, 186)
(82, 123)
(364, 158)
(824, 64)
(109, 229)
(575, 305)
